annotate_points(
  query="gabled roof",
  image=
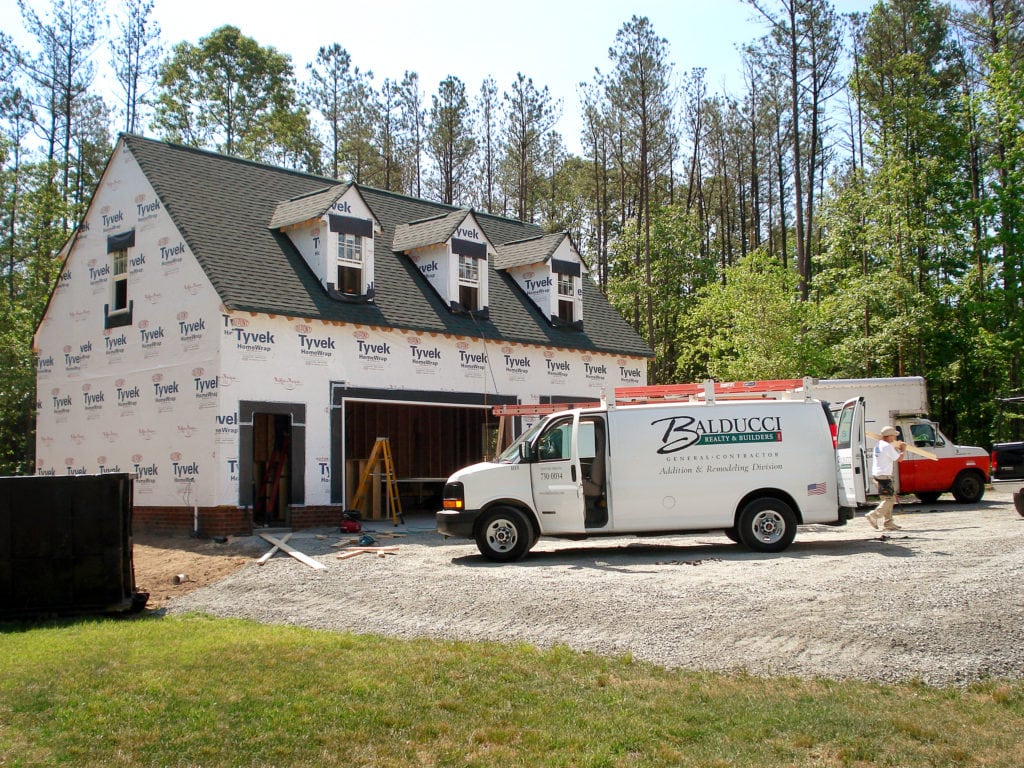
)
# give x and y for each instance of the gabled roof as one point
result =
(426, 232)
(533, 250)
(223, 207)
(306, 207)
(312, 206)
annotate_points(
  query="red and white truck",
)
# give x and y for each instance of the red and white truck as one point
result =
(962, 470)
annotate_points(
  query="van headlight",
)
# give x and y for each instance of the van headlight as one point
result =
(454, 496)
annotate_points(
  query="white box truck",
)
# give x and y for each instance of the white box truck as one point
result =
(962, 470)
(754, 469)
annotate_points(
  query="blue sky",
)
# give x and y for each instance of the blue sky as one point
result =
(556, 42)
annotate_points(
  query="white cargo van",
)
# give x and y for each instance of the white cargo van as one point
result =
(753, 469)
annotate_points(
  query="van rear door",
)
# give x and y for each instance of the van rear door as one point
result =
(851, 454)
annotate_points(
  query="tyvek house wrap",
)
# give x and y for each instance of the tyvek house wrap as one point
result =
(159, 397)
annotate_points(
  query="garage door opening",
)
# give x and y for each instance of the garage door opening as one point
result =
(428, 443)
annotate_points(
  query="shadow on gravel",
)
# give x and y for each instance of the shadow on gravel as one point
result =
(621, 556)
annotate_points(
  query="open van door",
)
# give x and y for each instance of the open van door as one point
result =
(851, 454)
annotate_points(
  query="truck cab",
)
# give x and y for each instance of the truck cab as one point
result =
(962, 470)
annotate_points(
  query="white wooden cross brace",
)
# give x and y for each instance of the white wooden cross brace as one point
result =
(284, 546)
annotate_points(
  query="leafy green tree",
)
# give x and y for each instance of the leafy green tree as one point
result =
(749, 325)
(230, 94)
(679, 272)
(529, 115)
(639, 89)
(450, 140)
(36, 242)
(135, 56)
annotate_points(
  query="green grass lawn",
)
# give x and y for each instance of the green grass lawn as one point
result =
(195, 691)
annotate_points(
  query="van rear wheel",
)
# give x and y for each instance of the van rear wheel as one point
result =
(767, 525)
(504, 534)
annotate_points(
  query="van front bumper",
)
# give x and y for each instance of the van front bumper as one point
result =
(457, 523)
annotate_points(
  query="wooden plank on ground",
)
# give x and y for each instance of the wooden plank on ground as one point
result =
(267, 555)
(302, 558)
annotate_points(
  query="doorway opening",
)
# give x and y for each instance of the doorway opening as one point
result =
(271, 463)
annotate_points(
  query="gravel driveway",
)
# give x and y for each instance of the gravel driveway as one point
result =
(941, 601)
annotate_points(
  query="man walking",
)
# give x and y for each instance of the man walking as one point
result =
(888, 450)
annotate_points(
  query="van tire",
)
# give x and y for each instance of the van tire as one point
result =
(968, 487)
(504, 534)
(732, 534)
(767, 525)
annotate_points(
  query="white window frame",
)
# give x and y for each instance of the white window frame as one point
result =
(118, 276)
(350, 256)
(566, 296)
(469, 271)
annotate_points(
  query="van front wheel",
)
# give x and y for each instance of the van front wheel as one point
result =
(504, 534)
(767, 525)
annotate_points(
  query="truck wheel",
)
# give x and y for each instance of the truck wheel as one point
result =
(732, 535)
(767, 525)
(968, 487)
(504, 534)
(928, 497)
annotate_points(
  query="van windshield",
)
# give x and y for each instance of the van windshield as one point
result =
(511, 454)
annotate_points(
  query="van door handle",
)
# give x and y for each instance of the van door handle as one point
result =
(574, 473)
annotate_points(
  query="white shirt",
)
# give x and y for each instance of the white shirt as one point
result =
(885, 456)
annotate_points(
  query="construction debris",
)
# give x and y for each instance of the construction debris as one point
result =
(284, 546)
(379, 551)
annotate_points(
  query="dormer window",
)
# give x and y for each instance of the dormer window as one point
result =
(354, 237)
(350, 265)
(469, 283)
(451, 252)
(119, 311)
(549, 270)
(566, 298)
(333, 229)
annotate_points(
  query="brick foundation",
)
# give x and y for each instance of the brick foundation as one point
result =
(223, 521)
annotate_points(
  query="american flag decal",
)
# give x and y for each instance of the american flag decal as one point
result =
(817, 489)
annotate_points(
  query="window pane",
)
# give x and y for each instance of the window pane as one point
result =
(468, 269)
(565, 311)
(468, 297)
(120, 294)
(350, 248)
(120, 262)
(350, 280)
(565, 286)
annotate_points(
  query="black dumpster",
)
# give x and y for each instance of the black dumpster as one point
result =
(66, 546)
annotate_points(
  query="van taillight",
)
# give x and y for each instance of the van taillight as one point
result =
(835, 435)
(994, 463)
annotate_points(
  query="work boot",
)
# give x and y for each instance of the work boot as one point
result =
(872, 518)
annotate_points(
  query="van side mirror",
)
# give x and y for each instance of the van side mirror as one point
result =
(527, 455)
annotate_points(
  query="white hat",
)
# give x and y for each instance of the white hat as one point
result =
(888, 431)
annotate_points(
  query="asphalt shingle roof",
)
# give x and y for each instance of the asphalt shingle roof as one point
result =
(534, 250)
(436, 229)
(224, 208)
